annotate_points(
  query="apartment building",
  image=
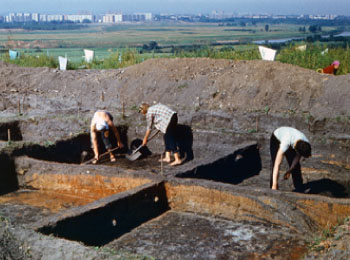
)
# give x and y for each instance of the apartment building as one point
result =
(55, 17)
(35, 17)
(107, 18)
(118, 18)
(79, 17)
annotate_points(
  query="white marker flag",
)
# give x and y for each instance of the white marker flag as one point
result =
(266, 53)
(63, 62)
(324, 52)
(301, 48)
(89, 55)
(13, 54)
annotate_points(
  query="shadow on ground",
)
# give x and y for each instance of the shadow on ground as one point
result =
(326, 187)
(233, 169)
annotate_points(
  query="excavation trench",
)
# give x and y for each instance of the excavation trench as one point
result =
(323, 174)
(198, 209)
(190, 218)
(77, 150)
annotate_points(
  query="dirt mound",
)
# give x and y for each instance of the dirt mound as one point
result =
(187, 84)
(238, 85)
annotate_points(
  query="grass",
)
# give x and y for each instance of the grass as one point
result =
(33, 61)
(324, 238)
(182, 86)
(10, 246)
(312, 58)
(134, 35)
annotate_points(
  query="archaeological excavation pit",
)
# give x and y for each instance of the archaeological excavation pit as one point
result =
(192, 218)
(44, 188)
(193, 211)
(77, 150)
(153, 220)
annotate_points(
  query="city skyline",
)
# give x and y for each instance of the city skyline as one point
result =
(283, 7)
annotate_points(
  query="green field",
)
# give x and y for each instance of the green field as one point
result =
(104, 39)
(117, 36)
(129, 43)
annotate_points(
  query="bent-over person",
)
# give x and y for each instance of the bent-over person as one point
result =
(331, 69)
(102, 122)
(165, 120)
(289, 142)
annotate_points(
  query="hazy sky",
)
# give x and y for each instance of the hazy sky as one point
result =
(341, 7)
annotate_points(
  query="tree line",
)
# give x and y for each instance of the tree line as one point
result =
(54, 25)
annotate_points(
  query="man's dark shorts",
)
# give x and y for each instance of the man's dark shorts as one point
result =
(105, 136)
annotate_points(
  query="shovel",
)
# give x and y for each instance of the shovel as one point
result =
(89, 161)
(136, 153)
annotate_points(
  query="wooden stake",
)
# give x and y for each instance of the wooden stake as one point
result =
(161, 164)
(19, 107)
(123, 110)
(9, 135)
(23, 103)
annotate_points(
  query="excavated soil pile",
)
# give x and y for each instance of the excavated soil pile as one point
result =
(184, 83)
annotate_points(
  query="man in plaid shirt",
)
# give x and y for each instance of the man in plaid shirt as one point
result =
(164, 119)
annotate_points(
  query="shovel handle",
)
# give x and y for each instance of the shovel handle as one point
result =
(89, 161)
(149, 139)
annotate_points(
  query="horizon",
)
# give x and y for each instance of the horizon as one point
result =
(281, 7)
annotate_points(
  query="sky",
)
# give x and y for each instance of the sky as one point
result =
(340, 7)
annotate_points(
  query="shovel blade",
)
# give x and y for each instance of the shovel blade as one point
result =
(134, 156)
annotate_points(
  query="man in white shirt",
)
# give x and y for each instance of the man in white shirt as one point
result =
(102, 121)
(293, 144)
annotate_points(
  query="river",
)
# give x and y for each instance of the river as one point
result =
(284, 40)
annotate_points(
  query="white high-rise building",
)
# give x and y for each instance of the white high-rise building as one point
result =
(108, 18)
(27, 17)
(10, 18)
(54, 17)
(19, 17)
(79, 17)
(118, 18)
(148, 16)
(35, 17)
(42, 17)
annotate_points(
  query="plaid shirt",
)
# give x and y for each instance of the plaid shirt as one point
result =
(159, 115)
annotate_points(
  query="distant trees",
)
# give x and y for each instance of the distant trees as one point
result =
(266, 27)
(54, 25)
(302, 29)
(315, 28)
(153, 45)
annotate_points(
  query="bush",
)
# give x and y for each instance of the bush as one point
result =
(33, 61)
(314, 57)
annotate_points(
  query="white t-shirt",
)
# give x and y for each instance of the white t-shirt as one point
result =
(101, 124)
(288, 136)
